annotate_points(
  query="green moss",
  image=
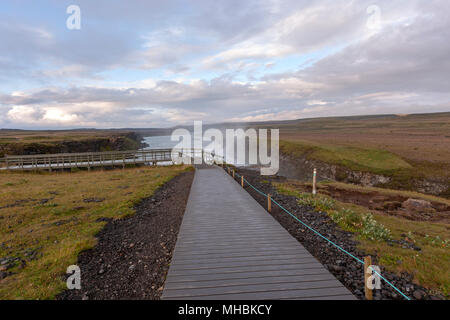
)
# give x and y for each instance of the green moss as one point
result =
(353, 158)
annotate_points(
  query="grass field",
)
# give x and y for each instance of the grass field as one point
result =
(430, 266)
(24, 142)
(414, 144)
(30, 136)
(46, 219)
(354, 158)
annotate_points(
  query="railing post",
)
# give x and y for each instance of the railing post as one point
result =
(233, 173)
(314, 181)
(269, 203)
(242, 181)
(367, 274)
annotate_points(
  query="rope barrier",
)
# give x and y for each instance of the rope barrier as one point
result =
(325, 238)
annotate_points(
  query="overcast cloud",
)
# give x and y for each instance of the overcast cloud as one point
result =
(161, 63)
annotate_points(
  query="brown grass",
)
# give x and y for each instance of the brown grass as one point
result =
(430, 266)
(421, 140)
(63, 225)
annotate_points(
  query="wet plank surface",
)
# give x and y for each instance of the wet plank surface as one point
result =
(229, 247)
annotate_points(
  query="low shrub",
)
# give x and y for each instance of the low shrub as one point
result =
(318, 203)
(373, 230)
(437, 241)
(365, 224)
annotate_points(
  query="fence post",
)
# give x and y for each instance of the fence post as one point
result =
(233, 173)
(242, 181)
(367, 274)
(269, 203)
(314, 181)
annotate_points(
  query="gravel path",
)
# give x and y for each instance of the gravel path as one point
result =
(345, 268)
(132, 256)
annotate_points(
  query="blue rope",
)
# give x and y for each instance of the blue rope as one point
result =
(319, 234)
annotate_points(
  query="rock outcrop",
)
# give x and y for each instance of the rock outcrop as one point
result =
(301, 168)
(114, 142)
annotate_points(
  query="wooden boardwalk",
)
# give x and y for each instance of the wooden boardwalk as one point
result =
(229, 247)
(89, 160)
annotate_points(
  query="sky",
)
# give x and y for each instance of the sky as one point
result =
(158, 63)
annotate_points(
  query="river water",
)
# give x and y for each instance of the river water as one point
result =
(159, 142)
(164, 142)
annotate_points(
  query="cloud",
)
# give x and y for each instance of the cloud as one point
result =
(224, 61)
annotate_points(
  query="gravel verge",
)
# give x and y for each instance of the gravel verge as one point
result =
(345, 268)
(132, 256)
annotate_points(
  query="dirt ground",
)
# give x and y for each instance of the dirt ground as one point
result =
(132, 256)
(389, 204)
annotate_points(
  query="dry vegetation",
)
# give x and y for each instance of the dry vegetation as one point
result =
(430, 266)
(26, 136)
(404, 146)
(46, 219)
(423, 141)
(23, 142)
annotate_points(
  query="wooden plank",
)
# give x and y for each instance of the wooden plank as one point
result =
(244, 275)
(248, 281)
(297, 294)
(229, 247)
(259, 286)
(240, 263)
(87, 159)
(248, 268)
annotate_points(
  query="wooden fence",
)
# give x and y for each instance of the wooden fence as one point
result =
(100, 159)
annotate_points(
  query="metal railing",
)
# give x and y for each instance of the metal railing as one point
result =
(103, 159)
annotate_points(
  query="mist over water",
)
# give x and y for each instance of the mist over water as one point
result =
(159, 142)
(164, 142)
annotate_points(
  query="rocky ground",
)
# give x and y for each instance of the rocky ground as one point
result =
(132, 256)
(345, 268)
(385, 203)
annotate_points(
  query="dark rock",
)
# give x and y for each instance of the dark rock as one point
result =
(338, 269)
(87, 200)
(416, 204)
(346, 269)
(109, 270)
(418, 294)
